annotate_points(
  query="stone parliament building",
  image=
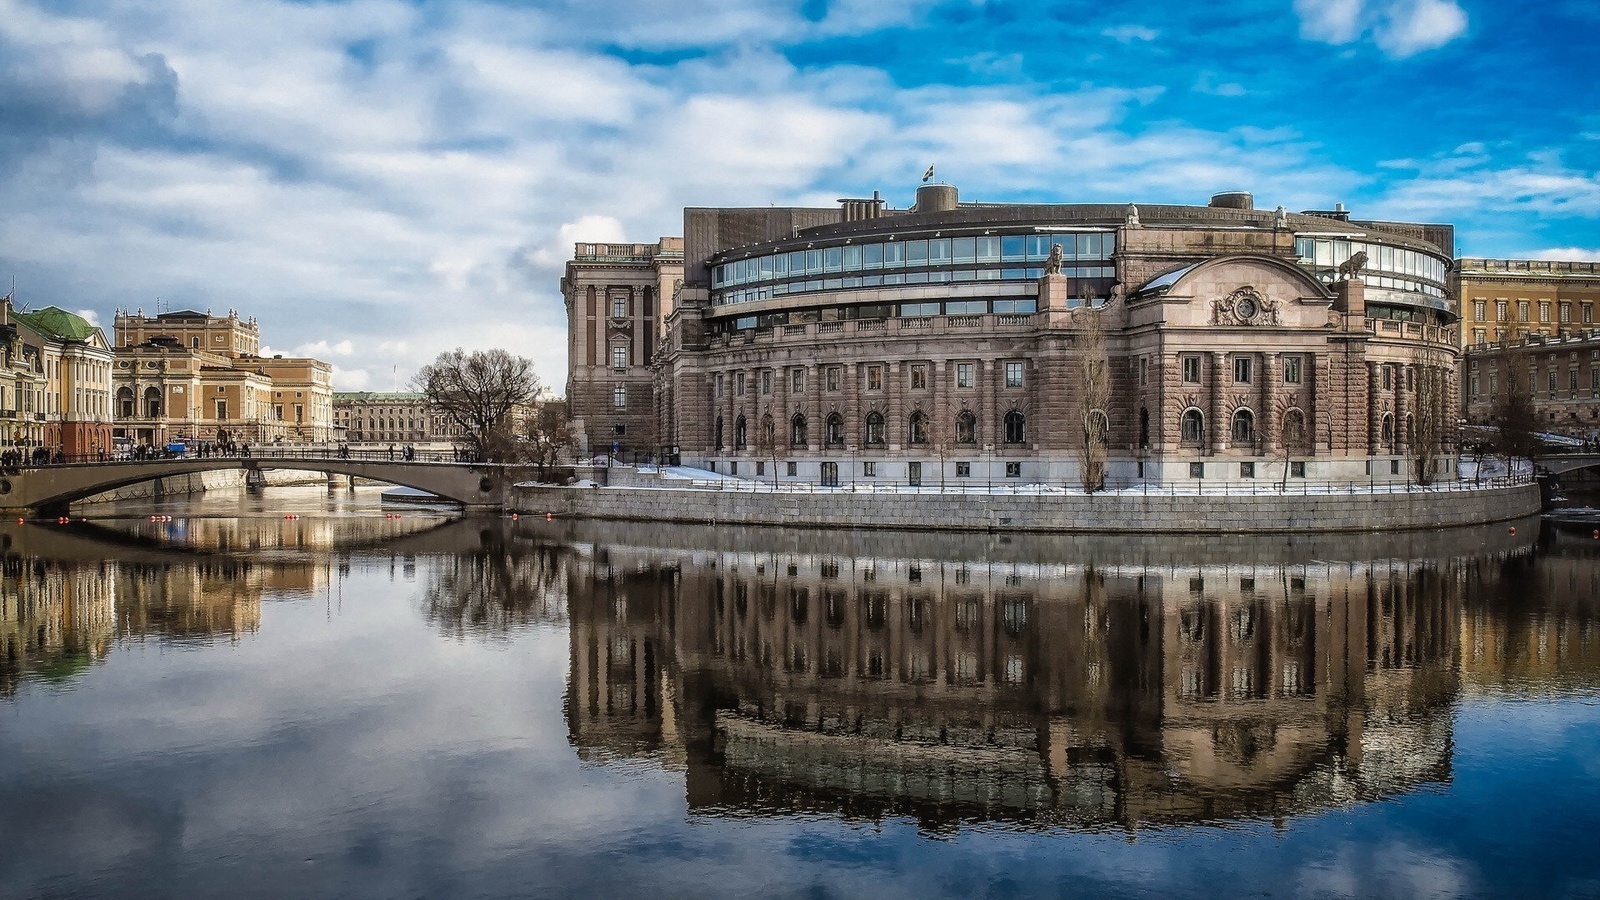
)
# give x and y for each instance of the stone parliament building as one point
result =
(996, 342)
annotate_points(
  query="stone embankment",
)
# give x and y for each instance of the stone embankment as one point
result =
(1121, 512)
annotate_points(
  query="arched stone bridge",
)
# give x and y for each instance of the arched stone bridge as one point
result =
(50, 488)
(1562, 463)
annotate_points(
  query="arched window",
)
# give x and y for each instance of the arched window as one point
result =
(1388, 430)
(719, 433)
(125, 402)
(833, 430)
(1294, 431)
(152, 403)
(917, 429)
(1016, 427)
(1144, 428)
(966, 427)
(739, 433)
(1244, 427)
(1192, 427)
(797, 431)
(874, 429)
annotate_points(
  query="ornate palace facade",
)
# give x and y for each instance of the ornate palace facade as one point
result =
(998, 341)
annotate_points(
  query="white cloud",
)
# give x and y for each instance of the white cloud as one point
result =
(1400, 28)
(90, 316)
(1569, 254)
(1127, 34)
(1416, 25)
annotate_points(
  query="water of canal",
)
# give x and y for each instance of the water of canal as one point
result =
(347, 704)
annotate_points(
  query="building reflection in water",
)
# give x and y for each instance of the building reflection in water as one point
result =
(1080, 695)
(55, 621)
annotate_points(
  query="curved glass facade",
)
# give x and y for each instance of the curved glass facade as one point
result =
(1387, 266)
(997, 257)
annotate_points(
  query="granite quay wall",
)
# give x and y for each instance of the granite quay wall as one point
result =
(1099, 513)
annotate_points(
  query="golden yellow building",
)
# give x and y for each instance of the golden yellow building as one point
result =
(1509, 299)
(190, 376)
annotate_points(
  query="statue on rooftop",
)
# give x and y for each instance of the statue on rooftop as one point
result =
(1352, 267)
(1052, 266)
(1132, 218)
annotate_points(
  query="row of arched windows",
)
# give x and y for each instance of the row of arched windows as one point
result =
(1013, 430)
(1242, 427)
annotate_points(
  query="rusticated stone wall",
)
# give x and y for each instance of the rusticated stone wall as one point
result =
(1103, 513)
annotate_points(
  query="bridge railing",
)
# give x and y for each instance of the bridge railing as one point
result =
(31, 457)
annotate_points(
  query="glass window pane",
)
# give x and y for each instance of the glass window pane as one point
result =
(988, 249)
(1108, 244)
(966, 307)
(780, 265)
(1085, 250)
(1038, 247)
(872, 256)
(764, 267)
(916, 253)
(1014, 247)
(1324, 253)
(852, 259)
(832, 259)
(813, 262)
(962, 249)
(797, 262)
(939, 252)
(917, 277)
(894, 255)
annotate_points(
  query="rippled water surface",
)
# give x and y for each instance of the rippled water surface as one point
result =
(239, 704)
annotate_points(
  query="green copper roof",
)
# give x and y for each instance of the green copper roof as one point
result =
(56, 321)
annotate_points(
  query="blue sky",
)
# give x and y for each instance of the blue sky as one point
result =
(379, 180)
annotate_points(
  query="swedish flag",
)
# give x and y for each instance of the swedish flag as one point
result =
(928, 175)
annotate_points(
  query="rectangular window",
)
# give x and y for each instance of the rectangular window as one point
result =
(1500, 313)
(766, 382)
(964, 377)
(761, 468)
(1478, 309)
(1241, 369)
(619, 306)
(1297, 469)
(1197, 470)
(1544, 313)
(1388, 378)
(1144, 370)
(919, 376)
(1494, 384)
(719, 385)
(1291, 370)
(733, 467)
(1552, 380)
(874, 378)
(1191, 370)
(869, 470)
(1013, 470)
(1247, 470)
(963, 470)
(1588, 314)
(797, 381)
(1594, 377)
(792, 468)
(619, 357)
(1480, 336)
(1522, 310)
(1013, 374)
(619, 397)
(1566, 313)
(1473, 381)
(834, 374)
(738, 381)
(1394, 467)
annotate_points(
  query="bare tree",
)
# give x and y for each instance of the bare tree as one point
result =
(1429, 418)
(1514, 417)
(1294, 437)
(1094, 383)
(546, 433)
(479, 392)
(767, 442)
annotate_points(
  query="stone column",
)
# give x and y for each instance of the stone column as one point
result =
(1271, 377)
(781, 413)
(1374, 408)
(819, 413)
(1402, 407)
(894, 376)
(1215, 414)
(854, 428)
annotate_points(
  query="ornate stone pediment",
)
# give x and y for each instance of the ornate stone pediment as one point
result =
(1245, 306)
